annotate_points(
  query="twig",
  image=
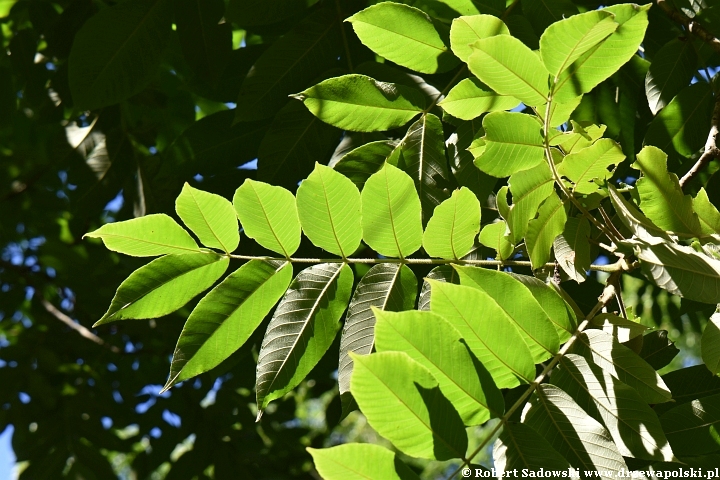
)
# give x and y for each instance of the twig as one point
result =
(711, 147)
(76, 326)
(690, 25)
(607, 295)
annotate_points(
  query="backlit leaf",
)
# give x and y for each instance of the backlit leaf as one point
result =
(542, 230)
(513, 143)
(359, 461)
(670, 71)
(572, 248)
(455, 223)
(710, 344)
(469, 29)
(470, 98)
(591, 163)
(210, 217)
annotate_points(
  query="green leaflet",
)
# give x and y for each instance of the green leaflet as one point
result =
(623, 329)
(680, 270)
(559, 114)
(661, 197)
(465, 31)
(147, 236)
(605, 351)
(710, 344)
(496, 236)
(671, 70)
(580, 137)
(404, 35)
(443, 273)
(513, 298)
(391, 213)
(329, 209)
(362, 104)
(164, 285)
(689, 384)
(591, 163)
(294, 141)
(507, 66)
(521, 449)
(359, 461)
(683, 124)
(513, 143)
(435, 344)
(633, 425)
(470, 98)
(268, 214)
(227, 316)
(361, 162)
(565, 41)
(542, 230)
(639, 224)
(117, 51)
(461, 160)
(210, 217)
(692, 428)
(291, 63)
(573, 433)
(301, 330)
(489, 333)
(423, 158)
(529, 189)
(455, 223)
(572, 248)
(600, 62)
(707, 213)
(423, 423)
(658, 350)
(557, 310)
(387, 286)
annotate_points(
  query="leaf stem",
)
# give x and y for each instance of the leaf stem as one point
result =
(607, 295)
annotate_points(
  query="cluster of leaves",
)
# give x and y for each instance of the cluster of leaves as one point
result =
(428, 175)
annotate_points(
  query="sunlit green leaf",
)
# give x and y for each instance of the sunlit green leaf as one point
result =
(710, 344)
(469, 29)
(210, 217)
(442, 273)
(513, 143)
(360, 163)
(542, 230)
(496, 236)
(707, 213)
(572, 248)
(470, 98)
(591, 163)
(529, 189)
(359, 461)
(455, 223)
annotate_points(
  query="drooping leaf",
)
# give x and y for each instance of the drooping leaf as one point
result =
(489, 333)
(387, 286)
(506, 65)
(361, 162)
(362, 104)
(683, 125)
(293, 143)
(558, 311)
(226, 317)
(513, 298)
(573, 433)
(303, 327)
(210, 217)
(289, 65)
(600, 62)
(147, 236)
(455, 223)
(605, 351)
(467, 30)
(681, 271)
(591, 163)
(658, 350)
(470, 98)
(404, 35)
(513, 143)
(707, 213)
(710, 344)
(117, 51)
(572, 248)
(661, 197)
(423, 423)
(692, 428)
(542, 230)
(496, 236)
(435, 344)
(164, 285)
(268, 214)
(423, 158)
(566, 40)
(529, 189)
(329, 210)
(443, 273)
(670, 71)
(521, 449)
(391, 213)
(634, 427)
(359, 461)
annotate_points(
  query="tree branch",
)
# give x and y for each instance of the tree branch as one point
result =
(690, 25)
(711, 146)
(52, 310)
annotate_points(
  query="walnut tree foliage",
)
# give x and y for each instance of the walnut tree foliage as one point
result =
(414, 237)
